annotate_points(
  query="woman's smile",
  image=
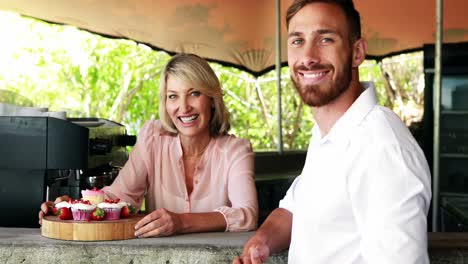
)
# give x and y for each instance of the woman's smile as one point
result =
(188, 119)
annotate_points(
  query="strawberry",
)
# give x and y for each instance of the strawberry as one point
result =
(64, 213)
(98, 214)
(125, 212)
(54, 211)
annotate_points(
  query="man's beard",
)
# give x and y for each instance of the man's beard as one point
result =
(314, 95)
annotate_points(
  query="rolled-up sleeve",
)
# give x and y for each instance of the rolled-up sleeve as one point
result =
(242, 215)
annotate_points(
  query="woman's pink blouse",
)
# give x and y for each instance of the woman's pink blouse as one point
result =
(223, 179)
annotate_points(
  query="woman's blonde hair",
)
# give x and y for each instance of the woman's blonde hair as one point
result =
(196, 72)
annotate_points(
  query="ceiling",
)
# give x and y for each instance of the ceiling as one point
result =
(241, 33)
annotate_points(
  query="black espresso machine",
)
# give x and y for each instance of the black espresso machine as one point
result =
(44, 157)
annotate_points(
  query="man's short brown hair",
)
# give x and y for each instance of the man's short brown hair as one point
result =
(352, 15)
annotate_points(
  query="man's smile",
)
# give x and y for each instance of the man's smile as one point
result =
(313, 77)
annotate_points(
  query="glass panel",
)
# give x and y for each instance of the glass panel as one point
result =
(454, 118)
(454, 133)
(453, 174)
(454, 93)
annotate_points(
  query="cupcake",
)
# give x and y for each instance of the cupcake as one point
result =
(63, 204)
(111, 208)
(62, 210)
(81, 210)
(95, 196)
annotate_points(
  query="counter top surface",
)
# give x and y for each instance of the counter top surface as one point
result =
(28, 236)
(9, 236)
(28, 246)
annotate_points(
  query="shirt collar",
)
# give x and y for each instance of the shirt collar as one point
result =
(179, 152)
(344, 128)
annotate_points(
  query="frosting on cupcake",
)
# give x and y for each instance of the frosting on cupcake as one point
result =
(94, 191)
(110, 205)
(63, 204)
(82, 205)
(94, 195)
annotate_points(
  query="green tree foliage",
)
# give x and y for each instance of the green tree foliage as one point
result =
(253, 104)
(400, 84)
(85, 74)
(91, 76)
(403, 79)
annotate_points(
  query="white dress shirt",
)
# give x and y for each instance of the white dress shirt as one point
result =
(364, 192)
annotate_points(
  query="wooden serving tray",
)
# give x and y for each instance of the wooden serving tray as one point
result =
(53, 227)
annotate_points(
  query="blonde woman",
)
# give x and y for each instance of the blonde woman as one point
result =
(194, 175)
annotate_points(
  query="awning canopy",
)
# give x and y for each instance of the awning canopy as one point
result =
(241, 33)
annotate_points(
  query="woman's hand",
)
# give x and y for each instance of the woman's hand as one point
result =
(160, 222)
(45, 209)
(47, 206)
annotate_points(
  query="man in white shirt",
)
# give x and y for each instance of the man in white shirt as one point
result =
(364, 192)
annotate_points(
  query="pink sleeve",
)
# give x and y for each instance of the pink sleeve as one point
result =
(131, 183)
(242, 215)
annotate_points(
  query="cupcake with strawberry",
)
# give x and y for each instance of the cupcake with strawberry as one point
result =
(81, 210)
(95, 196)
(111, 208)
(62, 210)
(63, 204)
